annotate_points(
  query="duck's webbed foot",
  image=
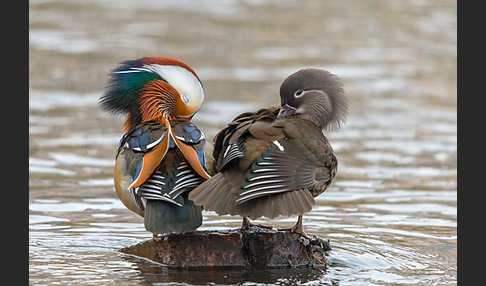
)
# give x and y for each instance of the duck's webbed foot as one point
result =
(247, 224)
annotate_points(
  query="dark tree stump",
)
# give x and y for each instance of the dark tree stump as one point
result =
(253, 247)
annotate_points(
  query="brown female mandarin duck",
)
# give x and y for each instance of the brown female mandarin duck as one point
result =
(160, 158)
(277, 160)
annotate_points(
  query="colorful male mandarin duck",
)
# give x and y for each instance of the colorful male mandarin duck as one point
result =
(160, 158)
(277, 160)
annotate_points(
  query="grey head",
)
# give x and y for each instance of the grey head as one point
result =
(316, 95)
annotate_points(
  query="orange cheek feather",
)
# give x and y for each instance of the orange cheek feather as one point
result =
(158, 101)
(181, 109)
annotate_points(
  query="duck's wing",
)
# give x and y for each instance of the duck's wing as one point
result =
(190, 140)
(158, 169)
(151, 141)
(135, 153)
(145, 145)
(229, 142)
(285, 164)
(168, 209)
(301, 159)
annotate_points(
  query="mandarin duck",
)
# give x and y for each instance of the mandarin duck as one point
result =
(160, 158)
(276, 160)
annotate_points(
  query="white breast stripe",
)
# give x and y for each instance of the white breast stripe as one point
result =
(168, 200)
(152, 194)
(156, 183)
(187, 183)
(182, 175)
(146, 187)
(182, 166)
(158, 177)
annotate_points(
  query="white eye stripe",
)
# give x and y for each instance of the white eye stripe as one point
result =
(188, 86)
(299, 93)
(176, 76)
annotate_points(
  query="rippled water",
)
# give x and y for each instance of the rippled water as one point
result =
(391, 212)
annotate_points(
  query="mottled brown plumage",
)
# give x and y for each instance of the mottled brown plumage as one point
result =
(277, 160)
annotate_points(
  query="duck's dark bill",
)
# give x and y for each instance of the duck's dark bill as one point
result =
(285, 110)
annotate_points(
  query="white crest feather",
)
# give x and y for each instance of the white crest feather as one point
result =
(184, 81)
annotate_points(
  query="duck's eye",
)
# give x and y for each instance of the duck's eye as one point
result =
(299, 93)
(185, 99)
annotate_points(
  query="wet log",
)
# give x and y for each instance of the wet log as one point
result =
(254, 247)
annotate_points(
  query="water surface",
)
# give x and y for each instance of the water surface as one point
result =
(391, 214)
